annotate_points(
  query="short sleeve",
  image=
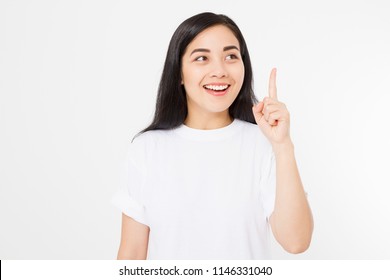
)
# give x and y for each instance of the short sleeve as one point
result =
(268, 185)
(129, 196)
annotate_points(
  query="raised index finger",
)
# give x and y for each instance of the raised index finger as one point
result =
(272, 85)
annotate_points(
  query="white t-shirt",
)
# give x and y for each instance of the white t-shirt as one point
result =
(205, 194)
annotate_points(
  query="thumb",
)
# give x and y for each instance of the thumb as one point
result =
(257, 111)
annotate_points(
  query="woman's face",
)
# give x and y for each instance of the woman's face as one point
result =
(212, 71)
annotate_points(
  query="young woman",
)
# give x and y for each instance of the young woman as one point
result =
(215, 168)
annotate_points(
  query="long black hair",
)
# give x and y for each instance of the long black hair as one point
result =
(171, 105)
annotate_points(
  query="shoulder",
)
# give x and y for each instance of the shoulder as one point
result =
(151, 138)
(145, 143)
(255, 142)
(247, 126)
(253, 131)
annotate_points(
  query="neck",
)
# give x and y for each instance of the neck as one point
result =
(208, 121)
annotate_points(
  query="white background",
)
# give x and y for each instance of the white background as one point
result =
(79, 78)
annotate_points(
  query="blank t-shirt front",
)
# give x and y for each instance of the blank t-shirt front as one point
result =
(205, 194)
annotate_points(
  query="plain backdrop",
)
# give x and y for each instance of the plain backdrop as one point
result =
(78, 80)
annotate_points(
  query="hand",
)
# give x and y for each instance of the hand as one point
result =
(272, 116)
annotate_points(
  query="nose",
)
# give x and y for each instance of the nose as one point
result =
(218, 70)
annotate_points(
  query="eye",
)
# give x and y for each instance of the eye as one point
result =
(201, 58)
(231, 56)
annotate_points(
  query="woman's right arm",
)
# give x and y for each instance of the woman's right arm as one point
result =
(134, 240)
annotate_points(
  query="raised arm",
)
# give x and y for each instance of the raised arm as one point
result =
(292, 221)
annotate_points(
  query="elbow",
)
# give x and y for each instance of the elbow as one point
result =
(296, 243)
(295, 239)
(297, 247)
(131, 254)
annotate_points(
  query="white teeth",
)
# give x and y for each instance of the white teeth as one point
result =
(216, 87)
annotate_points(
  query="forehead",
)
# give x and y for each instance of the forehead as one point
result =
(215, 37)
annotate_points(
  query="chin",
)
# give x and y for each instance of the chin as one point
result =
(216, 109)
(219, 108)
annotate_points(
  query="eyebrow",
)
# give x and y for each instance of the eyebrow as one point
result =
(227, 48)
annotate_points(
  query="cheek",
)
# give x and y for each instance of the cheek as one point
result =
(191, 75)
(238, 73)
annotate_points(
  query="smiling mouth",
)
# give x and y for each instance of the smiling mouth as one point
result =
(217, 88)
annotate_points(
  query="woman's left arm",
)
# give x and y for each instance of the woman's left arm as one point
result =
(291, 221)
